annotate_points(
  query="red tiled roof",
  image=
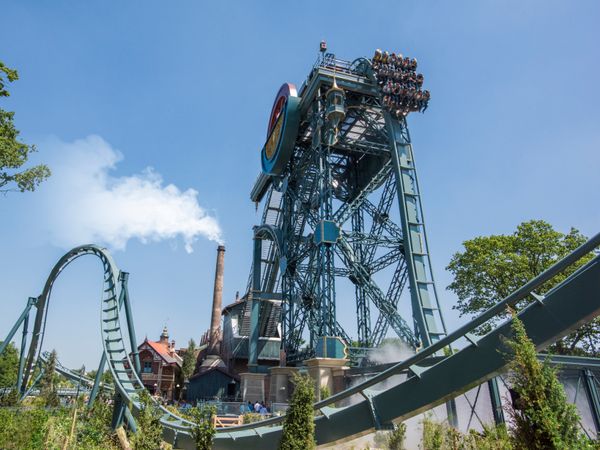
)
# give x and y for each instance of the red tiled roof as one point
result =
(162, 348)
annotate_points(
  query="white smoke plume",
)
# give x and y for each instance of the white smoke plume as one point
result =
(86, 203)
(390, 352)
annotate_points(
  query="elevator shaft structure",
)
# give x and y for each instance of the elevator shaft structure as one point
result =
(349, 220)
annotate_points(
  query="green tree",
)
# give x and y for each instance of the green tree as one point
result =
(9, 361)
(149, 432)
(203, 430)
(492, 267)
(189, 360)
(13, 152)
(48, 383)
(542, 417)
(299, 426)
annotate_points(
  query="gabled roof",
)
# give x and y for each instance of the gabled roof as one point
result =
(162, 349)
(223, 370)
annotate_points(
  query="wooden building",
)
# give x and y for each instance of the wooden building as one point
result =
(160, 367)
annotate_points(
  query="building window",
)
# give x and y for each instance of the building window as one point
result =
(147, 367)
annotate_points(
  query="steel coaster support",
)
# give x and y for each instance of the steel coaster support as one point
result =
(451, 413)
(326, 293)
(425, 304)
(385, 307)
(97, 381)
(23, 346)
(118, 412)
(594, 396)
(496, 401)
(363, 315)
(255, 294)
(34, 382)
(124, 300)
(31, 301)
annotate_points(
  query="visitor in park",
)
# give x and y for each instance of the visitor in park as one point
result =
(243, 408)
(263, 409)
(250, 407)
(257, 406)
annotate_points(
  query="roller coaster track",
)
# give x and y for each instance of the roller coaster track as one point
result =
(421, 382)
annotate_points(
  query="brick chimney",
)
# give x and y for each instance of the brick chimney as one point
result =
(215, 320)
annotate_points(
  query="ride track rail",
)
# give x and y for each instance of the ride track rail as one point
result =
(567, 306)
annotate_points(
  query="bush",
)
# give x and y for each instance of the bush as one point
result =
(391, 440)
(23, 429)
(149, 428)
(203, 430)
(251, 417)
(396, 437)
(10, 398)
(433, 435)
(440, 436)
(542, 417)
(298, 426)
(94, 427)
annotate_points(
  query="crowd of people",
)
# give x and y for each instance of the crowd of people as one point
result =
(400, 83)
(257, 408)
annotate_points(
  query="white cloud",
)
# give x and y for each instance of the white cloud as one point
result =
(85, 203)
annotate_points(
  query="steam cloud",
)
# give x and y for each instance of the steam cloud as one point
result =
(85, 203)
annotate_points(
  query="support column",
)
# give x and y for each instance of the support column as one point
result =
(280, 391)
(327, 372)
(253, 387)
(124, 300)
(496, 401)
(253, 337)
(592, 389)
(22, 354)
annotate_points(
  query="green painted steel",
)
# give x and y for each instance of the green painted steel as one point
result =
(563, 309)
(348, 163)
(496, 401)
(331, 178)
(426, 309)
(591, 385)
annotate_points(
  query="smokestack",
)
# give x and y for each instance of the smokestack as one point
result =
(215, 320)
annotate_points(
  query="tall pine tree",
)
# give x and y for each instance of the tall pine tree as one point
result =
(299, 426)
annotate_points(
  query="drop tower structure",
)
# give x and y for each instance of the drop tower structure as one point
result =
(342, 225)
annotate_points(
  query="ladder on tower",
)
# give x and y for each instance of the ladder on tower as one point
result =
(425, 304)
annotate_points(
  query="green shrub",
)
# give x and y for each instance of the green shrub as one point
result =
(543, 419)
(203, 430)
(94, 427)
(149, 428)
(251, 417)
(433, 435)
(23, 429)
(396, 437)
(298, 426)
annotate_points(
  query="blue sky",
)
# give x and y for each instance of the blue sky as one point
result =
(185, 88)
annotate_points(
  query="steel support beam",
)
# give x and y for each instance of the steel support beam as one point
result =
(255, 311)
(496, 401)
(124, 300)
(594, 396)
(30, 302)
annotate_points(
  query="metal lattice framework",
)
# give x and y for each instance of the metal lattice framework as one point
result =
(364, 182)
(561, 310)
(330, 216)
